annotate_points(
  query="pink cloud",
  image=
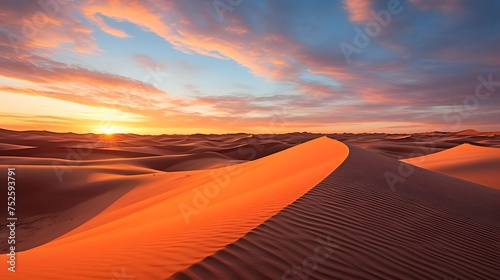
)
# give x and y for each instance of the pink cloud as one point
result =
(359, 10)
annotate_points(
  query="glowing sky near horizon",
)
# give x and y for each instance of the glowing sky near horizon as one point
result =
(223, 66)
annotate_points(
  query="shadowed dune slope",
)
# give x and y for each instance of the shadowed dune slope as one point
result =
(47, 208)
(477, 164)
(351, 226)
(174, 219)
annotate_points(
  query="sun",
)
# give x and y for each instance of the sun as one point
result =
(107, 130)
(110, 129)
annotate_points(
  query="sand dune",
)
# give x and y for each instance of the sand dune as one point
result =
(4, 146)
(398, 137)
(153, 163)
(468, 162)
(163, 225)
(351, 226)
(241, 206)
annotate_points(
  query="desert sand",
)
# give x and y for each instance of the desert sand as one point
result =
(239, 206)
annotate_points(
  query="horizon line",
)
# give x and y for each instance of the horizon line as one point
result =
(248, 133)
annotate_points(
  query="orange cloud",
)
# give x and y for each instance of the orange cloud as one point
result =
(106, 27)
(212, 39)
(134, 11)
(359, 10)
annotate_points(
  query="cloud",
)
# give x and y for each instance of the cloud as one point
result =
(359, 10)
(47, 73)
(99, 21)
(44, 25)
(137, 12)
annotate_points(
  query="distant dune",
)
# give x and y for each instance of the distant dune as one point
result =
(468, 132)
(241, 206)
(468, 162)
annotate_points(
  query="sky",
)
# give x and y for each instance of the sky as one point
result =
(223, 66)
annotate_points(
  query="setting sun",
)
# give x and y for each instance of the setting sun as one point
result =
(111, 129)
(108, 130)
